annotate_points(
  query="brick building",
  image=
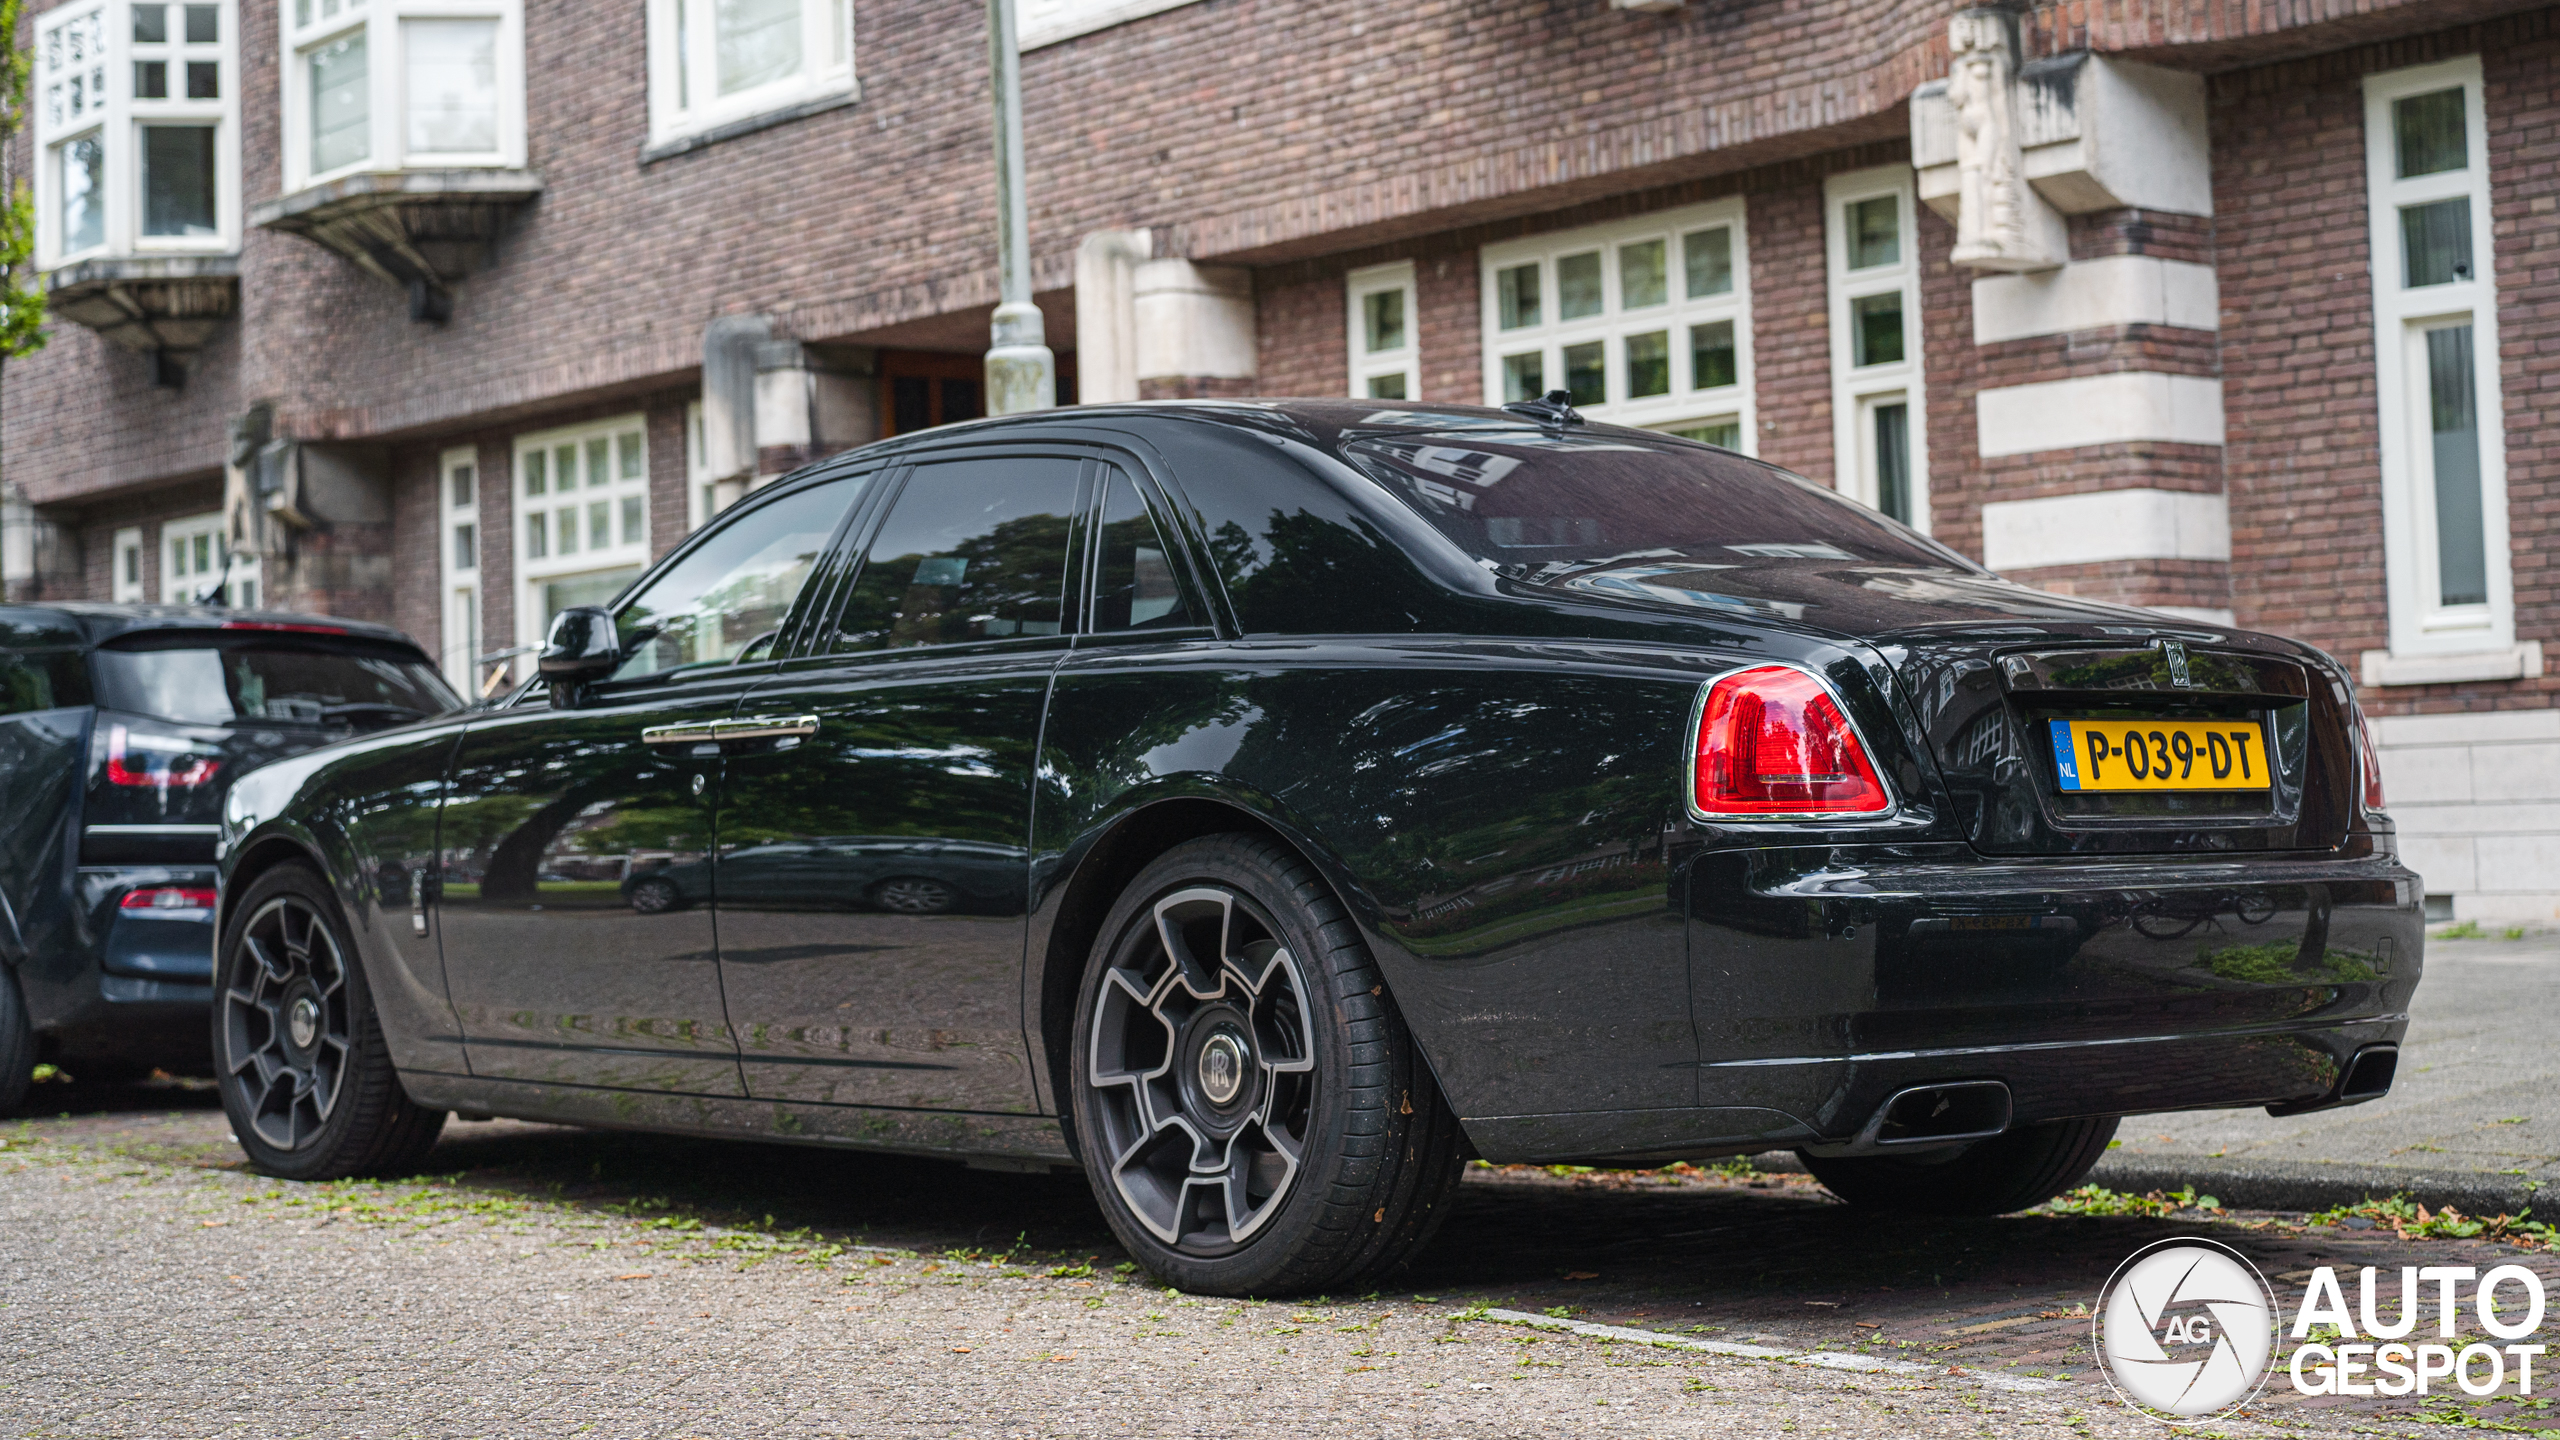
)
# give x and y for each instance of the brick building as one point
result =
(453, 312)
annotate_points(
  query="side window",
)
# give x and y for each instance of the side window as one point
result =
(972, 550)
(1136, 589)
(41, 682)
(729, 597)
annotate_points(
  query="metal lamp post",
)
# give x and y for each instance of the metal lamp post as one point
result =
(1021, 372)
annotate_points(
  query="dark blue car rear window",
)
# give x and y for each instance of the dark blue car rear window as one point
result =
(273, 681)
(42, 680)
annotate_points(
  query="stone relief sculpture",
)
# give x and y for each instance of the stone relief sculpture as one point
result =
(1993, 199)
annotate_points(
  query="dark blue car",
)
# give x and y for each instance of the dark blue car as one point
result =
(121, 727)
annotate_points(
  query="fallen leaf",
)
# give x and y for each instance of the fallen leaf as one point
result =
(207, 1224)
(959, 1349)
(634, 1275)
(1582, 1275)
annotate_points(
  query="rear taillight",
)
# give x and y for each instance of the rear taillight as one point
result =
(162, 762)
(1773, 742)
(2372, 759)
(168, 897)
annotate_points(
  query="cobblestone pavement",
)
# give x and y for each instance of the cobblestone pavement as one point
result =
(545, 1281)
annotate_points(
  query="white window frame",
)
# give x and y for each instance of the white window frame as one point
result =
(386, 83)
(117, 119)
(178, 586)
(2419, 623)
(683, 102)
(125, 582)
(533, 572)
(1402, 361)
(1685, 406)
(461, 641)
(1046, 22)
(701, 494)
(1858, 390)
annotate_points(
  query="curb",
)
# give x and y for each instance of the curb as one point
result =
(2281, 1185)
(1824, 1359)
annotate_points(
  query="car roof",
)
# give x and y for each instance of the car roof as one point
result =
(98, 621)
(1327, 423)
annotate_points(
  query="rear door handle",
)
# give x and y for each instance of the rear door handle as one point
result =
(765, 727)
(696, 732)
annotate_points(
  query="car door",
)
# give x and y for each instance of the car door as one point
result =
(892, 977)
(573, 843)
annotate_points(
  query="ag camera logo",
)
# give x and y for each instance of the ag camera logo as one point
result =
(2185, 1329)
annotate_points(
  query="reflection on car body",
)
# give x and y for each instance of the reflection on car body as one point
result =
(925, 876)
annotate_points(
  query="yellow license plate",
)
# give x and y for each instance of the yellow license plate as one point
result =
(2160, 754)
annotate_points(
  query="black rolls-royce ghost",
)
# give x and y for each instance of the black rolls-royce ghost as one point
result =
(1376, 788)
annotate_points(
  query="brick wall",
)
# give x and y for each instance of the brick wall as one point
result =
(2304, 457)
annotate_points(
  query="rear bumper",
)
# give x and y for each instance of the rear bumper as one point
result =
(1828, 979)
(126, 985)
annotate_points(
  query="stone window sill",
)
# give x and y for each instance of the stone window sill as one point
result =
(668, 149)
(2515, 662)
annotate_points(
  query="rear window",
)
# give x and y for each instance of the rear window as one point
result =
(1550, 508)
(180, 678)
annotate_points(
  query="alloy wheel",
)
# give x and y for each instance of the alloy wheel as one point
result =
(913, 896)
(1202, 1070)
(286, 1023)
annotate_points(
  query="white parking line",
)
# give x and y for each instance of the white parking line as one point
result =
(1828, 1359)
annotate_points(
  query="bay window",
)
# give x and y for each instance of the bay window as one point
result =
(721, 66)
(137, 130)
(387, 85)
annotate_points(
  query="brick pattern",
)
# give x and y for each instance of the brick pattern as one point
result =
(1791, 329)
(2195, 584)
(2141, 232)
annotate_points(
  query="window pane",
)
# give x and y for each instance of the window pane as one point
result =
(1578, 286)
(204, 553)
(626, 452)
(1875, 326)
(536, 472)
(758, 42)
(341, 110)
(564, 531)
(2435, 243)
(537, 533)
(465, 482)
(1516, 290)
(1382, 320)
(466, 547)
(599, 462)
(1642, 279)
(564, 467)
(2429, 133)
(204, 24)
(596, 589)
(599, 525)
(1709, 256)
(84, 193)
(453, 85)
(204, 79)
(1711, 355)
(151, 26)
(150, 79)
(1893, 460)
(1648, 364)
(1524, 377)
(737, 587)
(1137, 589)
(177, 181)
(2462, 554)
(1387, 387)
(1727, 433)
(974, 550)
(632, 528)
(1586, 373)
(1875, 232)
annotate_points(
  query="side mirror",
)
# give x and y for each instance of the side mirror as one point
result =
(584, 646)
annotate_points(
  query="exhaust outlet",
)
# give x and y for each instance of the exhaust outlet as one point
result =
(1929, 1115)
(2368, 1077)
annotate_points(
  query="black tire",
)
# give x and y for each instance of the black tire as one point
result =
(318, 1109)
(17, 1046)
(656, 897)
(2027, 1166)
(1322, 1061)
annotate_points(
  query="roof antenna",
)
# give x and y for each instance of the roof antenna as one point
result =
(1553, 410)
